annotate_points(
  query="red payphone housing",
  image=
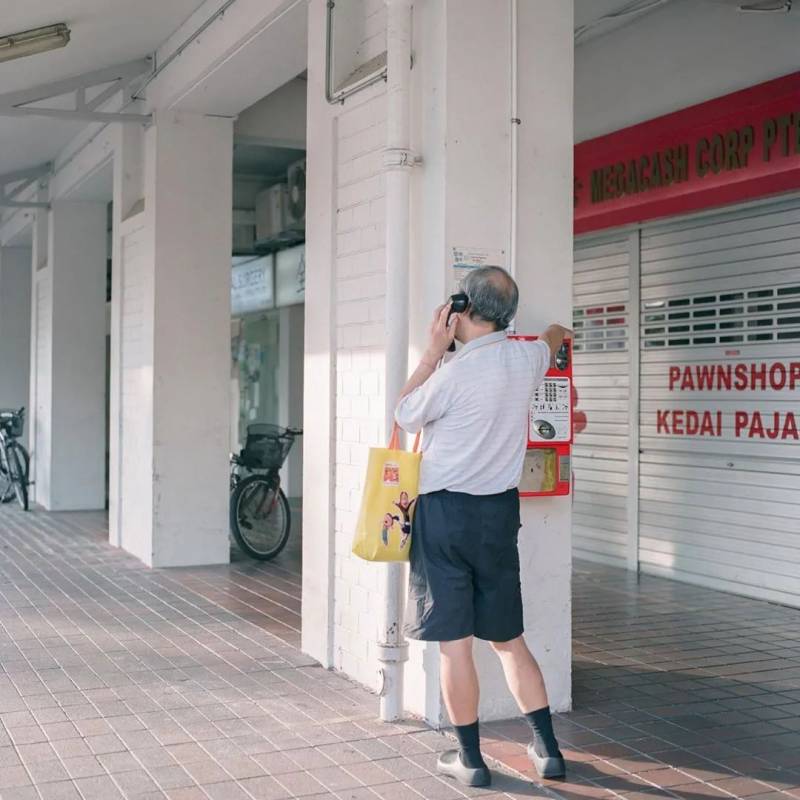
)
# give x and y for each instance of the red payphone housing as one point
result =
(548, 460)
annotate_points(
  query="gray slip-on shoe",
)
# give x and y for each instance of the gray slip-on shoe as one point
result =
(547, 766)
(450, 763)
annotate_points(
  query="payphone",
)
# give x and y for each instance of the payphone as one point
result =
(548, 462)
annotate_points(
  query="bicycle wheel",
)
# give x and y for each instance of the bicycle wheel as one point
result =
(6, 484)
(260, 517)
(17, 467)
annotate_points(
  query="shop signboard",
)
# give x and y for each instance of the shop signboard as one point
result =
(290, 276)
(252, 285)
(731, 149)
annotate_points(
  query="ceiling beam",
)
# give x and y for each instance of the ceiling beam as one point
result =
(109, 80)
(20, 180)
(22, 204)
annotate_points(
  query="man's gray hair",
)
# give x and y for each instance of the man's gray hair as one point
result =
(493, 295)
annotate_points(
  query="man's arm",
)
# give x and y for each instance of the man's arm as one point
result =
(442, 334)
(554, 336)
(424, 397)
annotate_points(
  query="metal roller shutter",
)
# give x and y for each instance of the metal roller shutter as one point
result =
(719, 497)
(602, 381)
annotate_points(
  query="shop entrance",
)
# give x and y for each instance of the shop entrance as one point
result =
(687, 370)
(268, 293)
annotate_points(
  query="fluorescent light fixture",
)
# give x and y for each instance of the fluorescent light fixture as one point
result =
(28, 43)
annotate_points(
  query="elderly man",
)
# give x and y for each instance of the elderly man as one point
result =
(465, 579)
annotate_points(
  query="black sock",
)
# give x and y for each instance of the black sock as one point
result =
(469, 739)
(544, 740)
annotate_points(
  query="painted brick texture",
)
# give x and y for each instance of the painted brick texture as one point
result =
(360, 369)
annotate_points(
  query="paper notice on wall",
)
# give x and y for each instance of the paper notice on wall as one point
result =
(464, 259)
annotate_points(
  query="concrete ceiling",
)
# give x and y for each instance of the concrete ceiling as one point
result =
(104, 32)
(596, 17)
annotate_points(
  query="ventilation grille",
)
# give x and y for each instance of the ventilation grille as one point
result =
(733, 317)
(601, 327)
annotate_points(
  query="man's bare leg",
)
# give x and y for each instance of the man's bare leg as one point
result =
(524, 679)
(523, 676)
(459, 681)
(461, 693)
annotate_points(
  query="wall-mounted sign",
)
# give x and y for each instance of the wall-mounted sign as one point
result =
(290, 276)
(737, 147)
(464, 259)
(252, 285)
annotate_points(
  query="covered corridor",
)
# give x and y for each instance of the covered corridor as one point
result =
(121, 681)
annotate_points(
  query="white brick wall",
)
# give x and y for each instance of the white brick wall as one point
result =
(360, 368)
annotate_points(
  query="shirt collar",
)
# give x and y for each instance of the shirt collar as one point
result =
(489, 338)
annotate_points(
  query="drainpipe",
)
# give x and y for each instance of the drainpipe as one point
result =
(515, 123)
(398, 162)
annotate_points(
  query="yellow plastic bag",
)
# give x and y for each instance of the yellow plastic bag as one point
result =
(387, 507)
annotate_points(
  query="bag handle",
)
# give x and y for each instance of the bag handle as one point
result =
(394, 441)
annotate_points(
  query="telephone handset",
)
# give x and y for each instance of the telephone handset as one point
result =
(459, 303)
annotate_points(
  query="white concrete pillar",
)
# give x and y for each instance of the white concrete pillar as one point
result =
(68, 341)
(544, 274)
(128, 199)
(175, 349)
(40, 361)
(290, 392)
(319, 397)
(15, 327)
(463, 199)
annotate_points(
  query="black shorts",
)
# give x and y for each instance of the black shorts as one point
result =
(465, 568)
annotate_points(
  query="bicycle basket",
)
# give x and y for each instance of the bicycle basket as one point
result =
(12, 422)
(266, 447)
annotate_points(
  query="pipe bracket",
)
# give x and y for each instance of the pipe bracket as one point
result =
(392, 653)
(400, 158)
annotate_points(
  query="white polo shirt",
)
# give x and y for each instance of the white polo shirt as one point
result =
(474, 411)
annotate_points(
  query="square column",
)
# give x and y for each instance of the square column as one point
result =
(173, 302)
(470, 58)
(479, 190)
(68, 346)
(15, 327)
(128, 201)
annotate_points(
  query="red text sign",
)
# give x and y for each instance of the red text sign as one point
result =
(763, 376)
(734, 148)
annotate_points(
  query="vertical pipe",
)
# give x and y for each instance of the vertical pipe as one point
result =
(512, 247)
(398, 161)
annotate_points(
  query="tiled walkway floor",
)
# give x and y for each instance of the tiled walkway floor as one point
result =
(679, 692)
(118, 681)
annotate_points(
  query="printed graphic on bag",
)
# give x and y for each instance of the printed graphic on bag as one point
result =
(383, 531)
(405, 505)
(391, 473)
(388, 523)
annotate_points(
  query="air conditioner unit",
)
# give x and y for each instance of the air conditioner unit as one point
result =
(271, 206)
(296, 206)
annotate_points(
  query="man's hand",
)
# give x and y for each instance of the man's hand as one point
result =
(441, 334)
(554, 336)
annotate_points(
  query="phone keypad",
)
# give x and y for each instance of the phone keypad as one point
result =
(551, 403)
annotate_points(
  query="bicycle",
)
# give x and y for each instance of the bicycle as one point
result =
(260, 517)
(14, 459)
